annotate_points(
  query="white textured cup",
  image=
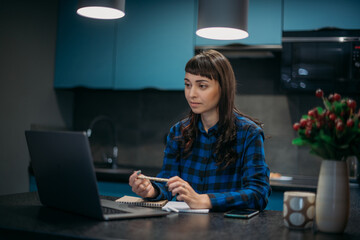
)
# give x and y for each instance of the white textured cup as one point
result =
(299, 209)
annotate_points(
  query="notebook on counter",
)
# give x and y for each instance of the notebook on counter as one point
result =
(141, 202)
(66, 180)
(170, 206)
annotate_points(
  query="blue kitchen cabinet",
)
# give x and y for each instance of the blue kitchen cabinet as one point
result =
(115, 189)
(311, 15)
(148, 48)
(154, 42)
(85, 50)
(264, 25)
(276, 201)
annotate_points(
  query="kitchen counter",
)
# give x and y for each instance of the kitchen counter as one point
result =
(297, 183)
(23, 217)
(122, 173)
(119, 174)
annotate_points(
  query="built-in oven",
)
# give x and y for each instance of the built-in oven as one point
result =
(328, 59)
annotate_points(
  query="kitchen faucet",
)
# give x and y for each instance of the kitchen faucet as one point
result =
(112, 160)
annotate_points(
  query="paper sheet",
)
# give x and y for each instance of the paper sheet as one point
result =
(182, 207)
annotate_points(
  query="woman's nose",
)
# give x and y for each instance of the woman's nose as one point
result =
(192, 92)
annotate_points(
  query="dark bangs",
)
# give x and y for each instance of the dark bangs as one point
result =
(203, 66)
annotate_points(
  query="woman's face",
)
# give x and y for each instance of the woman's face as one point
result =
(202, 94)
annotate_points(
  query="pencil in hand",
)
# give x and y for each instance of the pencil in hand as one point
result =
(153, 178)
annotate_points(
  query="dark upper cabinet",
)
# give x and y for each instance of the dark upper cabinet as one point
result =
(311, 15)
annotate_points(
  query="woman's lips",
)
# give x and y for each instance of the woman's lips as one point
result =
(194, 104)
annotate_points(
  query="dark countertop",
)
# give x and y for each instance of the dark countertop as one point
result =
(22, 215)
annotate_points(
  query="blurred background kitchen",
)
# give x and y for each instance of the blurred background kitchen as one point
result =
(122, 80)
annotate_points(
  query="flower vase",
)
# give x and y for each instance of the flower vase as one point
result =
(333, 197)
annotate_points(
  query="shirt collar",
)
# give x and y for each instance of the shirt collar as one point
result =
(211, 130)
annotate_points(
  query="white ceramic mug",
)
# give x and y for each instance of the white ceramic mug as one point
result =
(299, 209)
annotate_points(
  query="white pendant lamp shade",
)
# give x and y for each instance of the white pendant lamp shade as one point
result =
(101, 9)
(222, 19)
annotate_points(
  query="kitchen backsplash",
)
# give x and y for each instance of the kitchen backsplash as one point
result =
(144, 117)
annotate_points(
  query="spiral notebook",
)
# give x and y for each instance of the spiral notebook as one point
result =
(141, 202)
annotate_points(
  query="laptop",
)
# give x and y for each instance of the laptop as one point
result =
(66, 180)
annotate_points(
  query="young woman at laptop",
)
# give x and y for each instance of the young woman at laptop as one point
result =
(214, 158)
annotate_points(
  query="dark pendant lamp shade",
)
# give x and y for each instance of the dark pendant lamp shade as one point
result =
(223, 19)
(101, 9)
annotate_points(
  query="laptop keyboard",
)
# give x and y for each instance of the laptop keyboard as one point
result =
(107, 210)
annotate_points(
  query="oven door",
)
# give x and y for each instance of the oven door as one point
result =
(312, 65)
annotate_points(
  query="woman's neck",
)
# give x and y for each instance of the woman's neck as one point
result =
(209, 120)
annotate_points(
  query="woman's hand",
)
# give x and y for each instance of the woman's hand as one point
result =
(142, 187)
(187, 194)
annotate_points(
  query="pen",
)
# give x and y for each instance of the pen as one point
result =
(154, 178)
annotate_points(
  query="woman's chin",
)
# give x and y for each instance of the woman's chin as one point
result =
(196, 111)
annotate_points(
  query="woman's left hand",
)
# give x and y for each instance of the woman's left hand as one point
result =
(187, 194)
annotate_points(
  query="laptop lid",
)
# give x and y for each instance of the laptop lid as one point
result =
(65, 175)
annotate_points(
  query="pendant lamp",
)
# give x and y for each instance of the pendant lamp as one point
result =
(101, 9)
(222, 19)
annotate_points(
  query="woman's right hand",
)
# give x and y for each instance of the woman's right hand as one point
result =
(142, 187)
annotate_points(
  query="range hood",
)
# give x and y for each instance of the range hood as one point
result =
(243, 51)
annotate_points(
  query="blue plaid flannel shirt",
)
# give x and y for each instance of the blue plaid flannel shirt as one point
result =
(243, 184)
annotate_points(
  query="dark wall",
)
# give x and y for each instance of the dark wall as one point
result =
(27, 97)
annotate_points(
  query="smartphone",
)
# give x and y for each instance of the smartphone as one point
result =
(245, 213)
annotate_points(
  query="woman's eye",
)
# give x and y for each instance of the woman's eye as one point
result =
(203, 86)
(187, 85)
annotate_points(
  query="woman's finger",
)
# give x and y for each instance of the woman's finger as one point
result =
(174, 179)
(177, 184)
(132, 178)
(144, 191)
(179, 189)
(183, 197)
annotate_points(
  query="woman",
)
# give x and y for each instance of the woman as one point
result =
(215, 157)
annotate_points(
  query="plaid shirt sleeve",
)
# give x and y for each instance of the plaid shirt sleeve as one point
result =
(254, 179)
(244, 184)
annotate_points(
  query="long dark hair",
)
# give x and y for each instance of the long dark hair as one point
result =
(213, 65)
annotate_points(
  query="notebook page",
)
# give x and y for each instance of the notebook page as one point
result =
(182, 207)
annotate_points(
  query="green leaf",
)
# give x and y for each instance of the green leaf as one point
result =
(299, 141)
(304, 117)
(320, 110)
(326, 138)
